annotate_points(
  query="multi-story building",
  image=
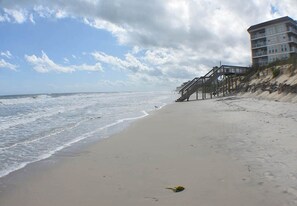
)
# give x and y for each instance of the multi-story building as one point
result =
(273, 40)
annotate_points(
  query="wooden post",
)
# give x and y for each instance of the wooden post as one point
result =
(197, 94)
(205, 90)
(229, 84)
(232, 83)
(211, 90)
(223, 86)
(202, 89)
(218, 88)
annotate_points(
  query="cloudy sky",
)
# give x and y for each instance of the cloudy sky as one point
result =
(123, 45)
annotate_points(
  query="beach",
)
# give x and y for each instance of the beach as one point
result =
(226, 151)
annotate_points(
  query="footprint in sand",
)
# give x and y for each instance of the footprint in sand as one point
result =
(260, 183)
(293, 176)
(152, 198)
(292, 191)
(246, 179)
(261, 159)
(269, 175)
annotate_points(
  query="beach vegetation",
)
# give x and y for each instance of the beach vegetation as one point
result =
(275, 71)
(176, 189)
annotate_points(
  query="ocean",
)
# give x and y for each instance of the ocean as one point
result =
(34, 127)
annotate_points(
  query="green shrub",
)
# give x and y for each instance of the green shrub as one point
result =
(275, 71)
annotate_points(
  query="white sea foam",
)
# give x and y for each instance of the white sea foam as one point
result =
(13, 168)
(35, 128)
(68, 144)
(122, 120)
(8, 122)
(58, 131)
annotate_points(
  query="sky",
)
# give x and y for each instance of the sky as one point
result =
(61, 46)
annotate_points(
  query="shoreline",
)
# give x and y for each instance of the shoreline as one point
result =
(75, 145)
(196, 144)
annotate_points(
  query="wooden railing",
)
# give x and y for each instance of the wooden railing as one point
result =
(211, 78)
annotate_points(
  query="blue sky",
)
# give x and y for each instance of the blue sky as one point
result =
(123, 45)
(66, 42)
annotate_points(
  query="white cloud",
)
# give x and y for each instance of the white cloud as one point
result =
(19, 16)
(110, 60)
(44, 64)
(86, 67)
(285, 7)
(66, 60)
(2, 18)
(6, 65)
(202, 26)
(43, 11)
(116, 30)
(31, 18)
(6, 54)
(113, 84)
(60, 14)
(130, 63)
(175, 38)
(154, 65)
(5, 18)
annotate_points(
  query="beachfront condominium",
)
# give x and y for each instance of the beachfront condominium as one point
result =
(273, 40)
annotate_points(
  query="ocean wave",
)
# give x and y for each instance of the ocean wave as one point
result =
(53, 133)
(22, 119)
(65, 145)
(33, 131)
(13, 168)
(23, 99)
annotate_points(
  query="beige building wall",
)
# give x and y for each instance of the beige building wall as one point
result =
(273, 40)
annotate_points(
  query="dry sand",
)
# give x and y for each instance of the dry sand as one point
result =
(230, 151)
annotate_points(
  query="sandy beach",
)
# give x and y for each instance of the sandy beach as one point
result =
(227, 151)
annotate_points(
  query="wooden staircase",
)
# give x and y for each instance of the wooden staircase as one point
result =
(210, 82)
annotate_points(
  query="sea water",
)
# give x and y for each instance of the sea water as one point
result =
(34, 127)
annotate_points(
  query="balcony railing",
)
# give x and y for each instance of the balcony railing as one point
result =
(290, 29)
(258, 45)
(257, 36)
(293, 40)
(259, 54)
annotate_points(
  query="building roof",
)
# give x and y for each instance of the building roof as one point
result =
(267, 23)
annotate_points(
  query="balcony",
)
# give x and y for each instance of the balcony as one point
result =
(258, 36)
(259, 45)
(293, 50)
(293, 30)
(260, 54)
(292, 40)
(261, 61)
